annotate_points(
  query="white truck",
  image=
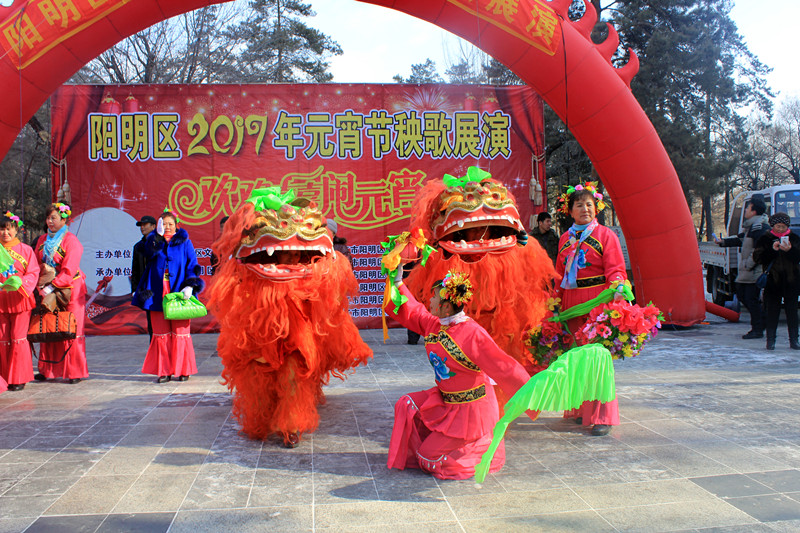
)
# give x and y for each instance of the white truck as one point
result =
(721, 264)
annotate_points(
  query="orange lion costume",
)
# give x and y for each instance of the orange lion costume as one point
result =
(280, 296)
(474, 223)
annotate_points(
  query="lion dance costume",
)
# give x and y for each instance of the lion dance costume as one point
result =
(281, 300)
(474, 222)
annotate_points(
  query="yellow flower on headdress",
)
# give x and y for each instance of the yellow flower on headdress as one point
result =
(456, 288)
(64, 210)
(590, 186)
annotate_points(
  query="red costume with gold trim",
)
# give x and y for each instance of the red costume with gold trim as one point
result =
(445, 430)
(475, 226)
(15, 315)
(68, 275)
(285, 326)
(604, 265)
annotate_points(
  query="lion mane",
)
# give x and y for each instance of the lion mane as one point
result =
(280, 341)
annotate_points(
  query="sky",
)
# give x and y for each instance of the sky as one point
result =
(379, 42)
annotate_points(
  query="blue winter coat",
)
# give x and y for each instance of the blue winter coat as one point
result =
(183, 269)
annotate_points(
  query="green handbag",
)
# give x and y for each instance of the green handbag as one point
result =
(178, 308)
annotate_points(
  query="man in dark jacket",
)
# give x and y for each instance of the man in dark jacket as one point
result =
(544, 233)
(146, 225)
(754, 226)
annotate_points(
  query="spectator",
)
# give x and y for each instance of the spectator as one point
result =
(62, 285)
(755, 225)
(214, 263)
(778, 250)
(544, 233)
(339, 243)
(146, 225)
(171, 267)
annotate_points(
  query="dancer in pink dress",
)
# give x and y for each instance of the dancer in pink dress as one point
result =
(62, 251)
(589, 260)
(446, 429)
(16, 301)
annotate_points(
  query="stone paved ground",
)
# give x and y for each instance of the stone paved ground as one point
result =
(709, 441)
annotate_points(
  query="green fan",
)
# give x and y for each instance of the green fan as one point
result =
(6, 261)
(578, 375)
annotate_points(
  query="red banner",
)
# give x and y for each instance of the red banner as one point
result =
(360, 151)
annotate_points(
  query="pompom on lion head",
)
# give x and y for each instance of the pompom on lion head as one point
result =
(276, 235)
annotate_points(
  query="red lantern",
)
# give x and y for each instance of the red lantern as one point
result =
(489, 105)
(470, 103)
(109, 106)
(130, 105)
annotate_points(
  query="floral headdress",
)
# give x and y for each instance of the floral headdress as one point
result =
(456, 288)
(63, 210)
(171, 212)
(11, 216)
(590, 186)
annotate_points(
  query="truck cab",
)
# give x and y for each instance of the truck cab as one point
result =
(721, 264)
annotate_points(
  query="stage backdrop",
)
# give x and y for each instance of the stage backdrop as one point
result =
(360, 151)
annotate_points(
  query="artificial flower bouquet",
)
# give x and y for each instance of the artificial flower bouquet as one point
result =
(549, 339)
(622, 327)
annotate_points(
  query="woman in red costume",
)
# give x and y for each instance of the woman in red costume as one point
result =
(589, 260)
(16, 301)
(445, 430)
(61, 251)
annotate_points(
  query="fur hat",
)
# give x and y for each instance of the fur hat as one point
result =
(779, 218)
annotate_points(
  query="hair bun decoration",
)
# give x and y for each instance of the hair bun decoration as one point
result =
(590, 186)
(11, 216)
(456, 288)
(63, 210)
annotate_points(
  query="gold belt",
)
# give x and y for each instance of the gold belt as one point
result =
(464, 396)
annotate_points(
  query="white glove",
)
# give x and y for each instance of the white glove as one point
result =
(399, 276)
(160, 226)
(620, 294)
(187, 292)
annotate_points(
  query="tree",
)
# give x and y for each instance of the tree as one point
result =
(239, 42)
(696, 76)
(421, 73)
(783, 139)
(280, 46)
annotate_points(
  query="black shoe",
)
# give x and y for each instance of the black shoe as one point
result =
(39, 377)
(753, 335)
(794, 345)
(73, 381)
(579, 421)
(770, 344)
(598, 430)
(183, 378)
(162, 379)
(16, 387)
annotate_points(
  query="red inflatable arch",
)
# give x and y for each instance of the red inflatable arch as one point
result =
(42, 46)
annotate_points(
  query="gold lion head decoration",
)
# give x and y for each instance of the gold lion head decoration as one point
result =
(286, 237)
(476, 215)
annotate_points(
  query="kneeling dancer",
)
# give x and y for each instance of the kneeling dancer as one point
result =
(446, 429)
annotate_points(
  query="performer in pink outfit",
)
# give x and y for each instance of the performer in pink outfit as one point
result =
(171, 267)
(16, 301)
(62, 251)
(589, 260)
(445, 430)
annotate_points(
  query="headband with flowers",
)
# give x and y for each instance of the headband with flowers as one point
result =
(456, 288)
(590, 186)
(63, 209)
(11, 216)
(171, 212)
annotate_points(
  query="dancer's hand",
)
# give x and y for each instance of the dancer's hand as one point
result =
(187, 293)
(399, 276)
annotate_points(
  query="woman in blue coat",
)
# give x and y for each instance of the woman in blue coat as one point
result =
(171, 267)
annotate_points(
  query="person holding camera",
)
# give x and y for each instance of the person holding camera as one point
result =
(754, 226)
(778, 251)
